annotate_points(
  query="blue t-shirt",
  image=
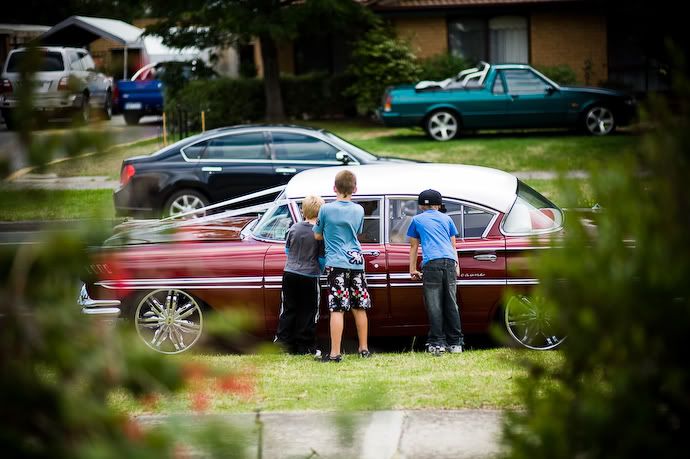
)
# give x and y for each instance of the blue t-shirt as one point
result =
(340, 222)
(434, 230)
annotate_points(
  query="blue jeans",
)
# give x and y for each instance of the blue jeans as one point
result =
(440, 291)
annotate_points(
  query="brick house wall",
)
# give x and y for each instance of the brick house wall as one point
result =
(572, 39)
(428, 36)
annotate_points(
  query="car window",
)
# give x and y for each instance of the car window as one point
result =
(195, 151)
(274, 224)
(524, 82)
(372, 220)
(300, 147)
(50, 61)
(475, 221)
(532, 213)
(236, 146)
(400, 213)
(498, 85)
(86, 61)
(74, 62)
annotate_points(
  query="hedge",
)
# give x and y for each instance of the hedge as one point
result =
(228, 101)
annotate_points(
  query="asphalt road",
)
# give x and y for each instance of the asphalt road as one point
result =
(121, 133)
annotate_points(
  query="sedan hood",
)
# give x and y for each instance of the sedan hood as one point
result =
(137, 232)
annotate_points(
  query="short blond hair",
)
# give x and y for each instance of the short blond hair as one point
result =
(311, 206)
(345, 182)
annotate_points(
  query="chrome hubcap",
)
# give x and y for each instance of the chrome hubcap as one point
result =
(169, 321)
(599, 121)
(443, 126)
(187, 203)
(530, 325)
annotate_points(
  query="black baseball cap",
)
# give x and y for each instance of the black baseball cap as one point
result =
(430, 198)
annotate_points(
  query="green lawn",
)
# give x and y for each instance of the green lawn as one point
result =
(16, 205)
(276, 382)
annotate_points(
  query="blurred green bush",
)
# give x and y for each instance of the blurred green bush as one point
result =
(442, 66)
(561, 74)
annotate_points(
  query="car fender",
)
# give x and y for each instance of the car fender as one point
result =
(442, 106)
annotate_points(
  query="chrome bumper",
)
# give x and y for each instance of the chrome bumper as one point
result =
(108, 308)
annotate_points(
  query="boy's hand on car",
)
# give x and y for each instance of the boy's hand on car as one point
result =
(415, 275)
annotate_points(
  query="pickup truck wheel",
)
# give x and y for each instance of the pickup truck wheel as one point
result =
(185, 201)
(169, 321)
(442, 125)
(132, 118)
(599, 120)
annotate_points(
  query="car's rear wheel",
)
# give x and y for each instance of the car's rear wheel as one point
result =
(184, 201)
(599, 120)
(442, 125)
(132, 118)
(530, 325)
(83, 115)
(169, 321)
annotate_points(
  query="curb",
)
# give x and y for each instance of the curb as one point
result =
(25, 170)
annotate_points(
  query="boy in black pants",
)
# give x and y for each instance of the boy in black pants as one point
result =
(300, 298)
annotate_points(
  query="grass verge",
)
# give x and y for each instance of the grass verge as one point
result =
(476, 379)
(35, 204)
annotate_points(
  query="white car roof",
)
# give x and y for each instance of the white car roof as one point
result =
(481, 185)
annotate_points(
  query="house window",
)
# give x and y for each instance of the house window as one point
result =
(497, 39)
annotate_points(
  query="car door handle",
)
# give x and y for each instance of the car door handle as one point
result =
(485, 257)
(371, 253)
(211, 169)
(285, 170)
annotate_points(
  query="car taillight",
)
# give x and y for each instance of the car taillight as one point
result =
(127, 173)
(388, 104)
(5, 86)
(63, 84)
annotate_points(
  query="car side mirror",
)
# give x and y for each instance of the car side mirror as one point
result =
(550, 90)
(343, 157)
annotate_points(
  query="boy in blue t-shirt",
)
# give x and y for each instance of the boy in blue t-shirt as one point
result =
(338, 224)
(440, 270)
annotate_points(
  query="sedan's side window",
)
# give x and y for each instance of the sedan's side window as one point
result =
(274, 224)
(195, 151)
(475, 221)
(237, 146)
(372, 220)
(300, 147)
(74, 63)
(454, 211)
(498, 85)
(400, 213)
(524, 82)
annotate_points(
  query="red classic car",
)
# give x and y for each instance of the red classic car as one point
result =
(167, 276)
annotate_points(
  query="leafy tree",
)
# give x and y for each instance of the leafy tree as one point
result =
(201, 23)
(621, 290)
(379, 60)
(442, 66)
(561, 74)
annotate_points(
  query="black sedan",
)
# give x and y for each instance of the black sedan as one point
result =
(227, 162)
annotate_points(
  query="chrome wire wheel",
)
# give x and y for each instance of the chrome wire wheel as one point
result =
(184, 203)
(169, 321)
(442, 126)
(530, 325)
(599, 121)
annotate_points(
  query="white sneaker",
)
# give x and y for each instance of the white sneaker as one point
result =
(455, 349)
(436, 350)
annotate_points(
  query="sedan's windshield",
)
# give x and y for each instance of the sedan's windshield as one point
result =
(362, 155)
(532, 213)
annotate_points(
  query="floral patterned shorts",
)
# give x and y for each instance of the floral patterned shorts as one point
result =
(347, 289)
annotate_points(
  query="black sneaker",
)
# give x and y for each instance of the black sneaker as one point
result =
(365, 354)
(327, 358)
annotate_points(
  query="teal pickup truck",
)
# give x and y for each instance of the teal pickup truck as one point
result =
(505, 96)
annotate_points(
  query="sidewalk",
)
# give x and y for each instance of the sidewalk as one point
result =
(438, 434)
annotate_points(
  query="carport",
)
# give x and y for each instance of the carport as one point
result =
(80, 31)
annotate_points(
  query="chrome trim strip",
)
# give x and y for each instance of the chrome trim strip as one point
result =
(101, 311)
(178, 287)
(482, 281)
(187, 280)
(410, 284)
(523, 281)
(97, 307)
(400, 276)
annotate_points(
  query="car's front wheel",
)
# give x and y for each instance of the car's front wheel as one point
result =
(185, 201)
(442, 125)
(599, 120)
(531, 325)
(169, 321)
(108, 106)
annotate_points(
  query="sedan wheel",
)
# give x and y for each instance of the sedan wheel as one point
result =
(599, 121)
(169, 321)
(530, 325)
(442, 125)
(186, 201)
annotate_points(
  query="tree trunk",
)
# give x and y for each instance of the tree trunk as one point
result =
(274, 97)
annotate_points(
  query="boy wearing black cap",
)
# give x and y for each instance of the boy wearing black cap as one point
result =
(440, 270)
